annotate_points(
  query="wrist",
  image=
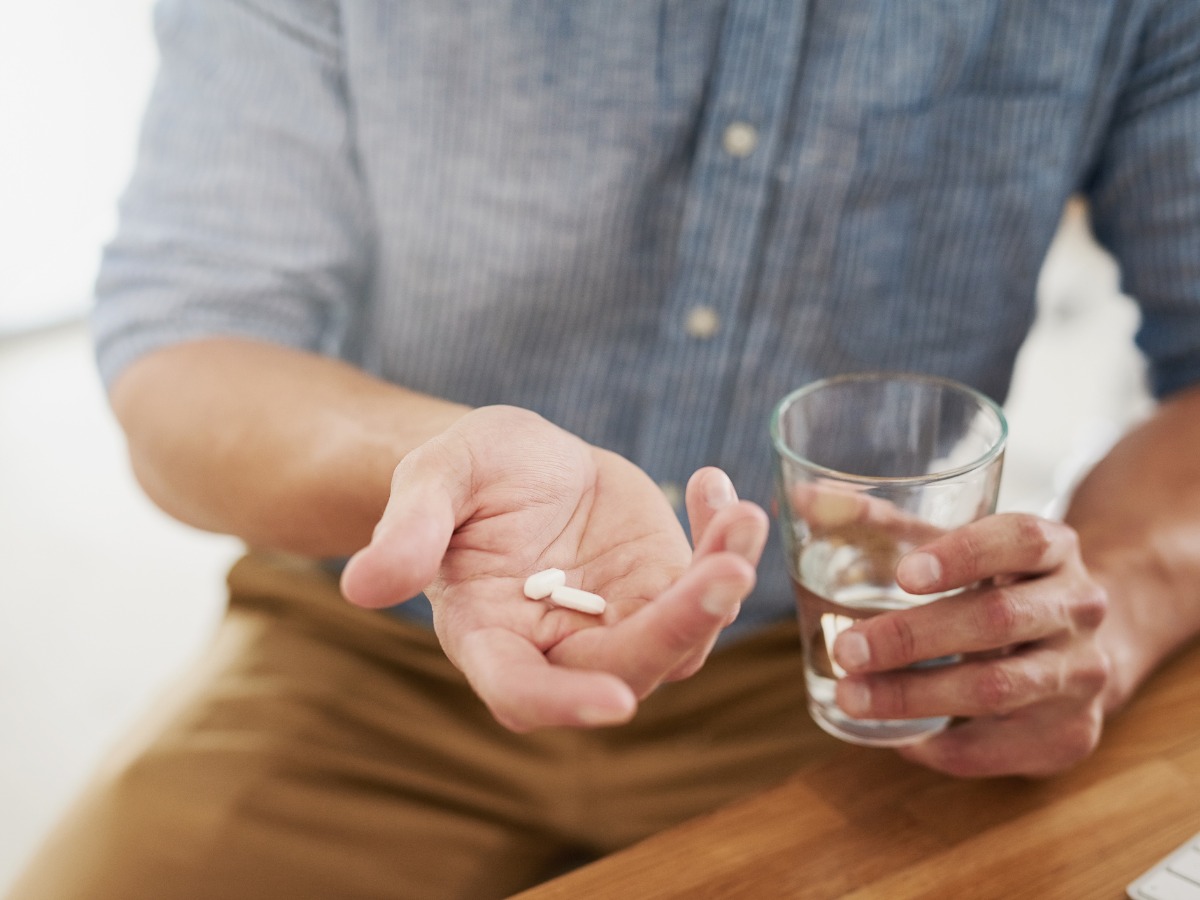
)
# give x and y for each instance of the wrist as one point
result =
(1145, 623)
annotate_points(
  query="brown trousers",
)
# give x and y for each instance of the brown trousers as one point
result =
(323, 751)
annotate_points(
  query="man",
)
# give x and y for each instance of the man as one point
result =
(465, 293)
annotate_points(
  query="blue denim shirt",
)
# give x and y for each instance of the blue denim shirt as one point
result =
(650, 220)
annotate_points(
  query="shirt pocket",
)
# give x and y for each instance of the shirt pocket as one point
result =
(982, 138)
(948, 214)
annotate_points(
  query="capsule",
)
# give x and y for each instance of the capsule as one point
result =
(576, 599)
(539, 585)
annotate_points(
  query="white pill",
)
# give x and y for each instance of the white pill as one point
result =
(539, 585)
(574, 598)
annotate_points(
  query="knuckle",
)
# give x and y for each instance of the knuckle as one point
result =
(970, 553)
(1068, 535)
(1090, 606)
(997, 688)
(1034, 535)
(1091, 678)
(1001, 612)
(898, 644)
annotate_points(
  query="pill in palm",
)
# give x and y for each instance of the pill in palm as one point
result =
(574, 598)
(539, 585)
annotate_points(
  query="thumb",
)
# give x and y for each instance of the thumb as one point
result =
(427, 496)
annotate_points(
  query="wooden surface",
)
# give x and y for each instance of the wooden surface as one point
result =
(868, 825)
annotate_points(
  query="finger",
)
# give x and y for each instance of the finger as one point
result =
(972, 622)
(995, 686)
(430, 489)
(669, 631)
(709, 491)
(1049, 741)
(524, 691)
(826, 507)
(690, 665)
(740, 528)
(830, 509)
(1004, 544)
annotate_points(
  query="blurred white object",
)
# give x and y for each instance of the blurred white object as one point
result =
(1079, 382)
(74, 76)
(103, 599)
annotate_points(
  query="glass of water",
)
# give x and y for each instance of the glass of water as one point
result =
(868, 467)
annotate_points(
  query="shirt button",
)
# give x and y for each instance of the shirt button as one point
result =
(702, 322)
(740, 139)
(673, 493)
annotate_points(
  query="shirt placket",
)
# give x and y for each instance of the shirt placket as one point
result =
(720, 244)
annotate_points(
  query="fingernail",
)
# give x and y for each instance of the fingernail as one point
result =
(854, 698)
(718, 491)
(743, 539)
(720, 600)
(919, 570)
(852, 651)
(599, 715)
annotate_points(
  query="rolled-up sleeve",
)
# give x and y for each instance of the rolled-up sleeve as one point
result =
(245, 214)
(1145, 194)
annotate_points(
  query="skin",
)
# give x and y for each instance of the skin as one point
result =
(1072, 618)
(318, 458)
(503, 494)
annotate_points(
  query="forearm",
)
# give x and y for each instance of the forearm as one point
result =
(1138, 518)
(282, 448)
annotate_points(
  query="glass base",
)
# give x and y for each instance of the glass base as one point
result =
(875, 732)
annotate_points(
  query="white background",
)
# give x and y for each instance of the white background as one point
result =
(102, 598)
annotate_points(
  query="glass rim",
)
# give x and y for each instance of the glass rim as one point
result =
(985, 402)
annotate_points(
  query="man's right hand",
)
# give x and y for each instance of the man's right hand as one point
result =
(502, 494)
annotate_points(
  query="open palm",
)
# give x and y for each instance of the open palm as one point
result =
(503, 494)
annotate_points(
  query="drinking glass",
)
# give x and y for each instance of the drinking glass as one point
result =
(868, 467)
